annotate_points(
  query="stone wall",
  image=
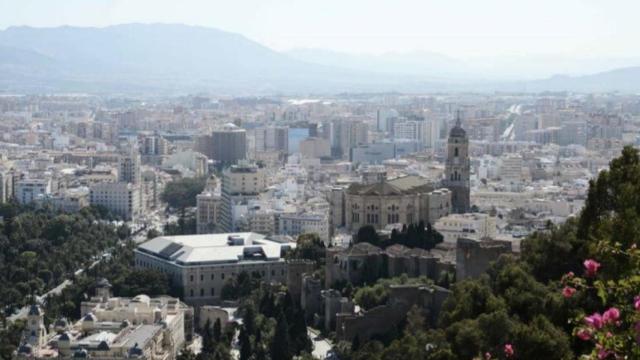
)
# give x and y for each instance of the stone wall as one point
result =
(473, 257)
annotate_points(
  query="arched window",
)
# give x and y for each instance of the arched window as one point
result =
(455, 152)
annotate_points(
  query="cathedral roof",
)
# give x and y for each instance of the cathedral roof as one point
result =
(404, 185)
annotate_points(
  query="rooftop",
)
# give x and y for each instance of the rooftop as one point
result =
(215, 248)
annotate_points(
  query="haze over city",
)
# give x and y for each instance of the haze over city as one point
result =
(490, 40)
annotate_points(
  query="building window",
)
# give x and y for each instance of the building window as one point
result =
(191, 278)
(213, 291)
(201, 277)
(455, 152)
(212, 276)
(191, 292)
(201, 292)
(222, 276)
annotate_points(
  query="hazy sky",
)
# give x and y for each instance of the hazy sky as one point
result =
(455, 27)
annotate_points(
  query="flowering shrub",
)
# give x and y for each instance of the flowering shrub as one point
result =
(612, 331)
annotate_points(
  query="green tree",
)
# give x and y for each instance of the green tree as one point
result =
(182, 193)
(280, 343)
(217, 330)
(368, 234)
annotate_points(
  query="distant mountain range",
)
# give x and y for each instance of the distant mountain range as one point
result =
(175, 59)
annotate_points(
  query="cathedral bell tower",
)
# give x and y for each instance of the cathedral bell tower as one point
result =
(458, 168)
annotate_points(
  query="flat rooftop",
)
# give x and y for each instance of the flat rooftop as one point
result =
(227, 248)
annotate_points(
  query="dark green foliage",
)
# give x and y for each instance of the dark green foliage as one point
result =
(368, 234)
(9, 338)
(186, 225)
(309, 247)
(276, 326)
(245, 344)
(208, 340)
(240, 287)
(415, 236)
(280, 344)
(217, 331)
(377, 294)
(39, 249)
(182, 193)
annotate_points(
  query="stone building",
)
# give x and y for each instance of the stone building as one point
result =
(473, 257)
(365, 262)
(382, 319)
(403, 200)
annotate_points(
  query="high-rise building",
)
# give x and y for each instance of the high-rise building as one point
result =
(154, 145)
(208, 205)
(227, 145)
(272, 138)
(346, 134)
(240, 183)
(385, 119)
(129, 167)
(458, 168)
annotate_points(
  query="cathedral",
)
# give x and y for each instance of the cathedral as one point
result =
(458, 169)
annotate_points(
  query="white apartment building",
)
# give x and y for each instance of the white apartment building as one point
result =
(6, 185)
(472, 225)
(121, 198)
(297, 224)
(30, 190)
(410, 129)
(240, 183)
(208, 206)
(129, 167)
(511, 169)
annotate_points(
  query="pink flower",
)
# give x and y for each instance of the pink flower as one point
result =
(604, 354)
(591, 267)
(508, 350)
(611, 316)
(595, 321)
(584, 334)
(636, 303)
(568, 291)
(487, 356)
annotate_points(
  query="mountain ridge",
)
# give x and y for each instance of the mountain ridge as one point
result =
(176, 58)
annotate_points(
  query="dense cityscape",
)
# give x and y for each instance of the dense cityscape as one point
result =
(359, 209)
(404, 190)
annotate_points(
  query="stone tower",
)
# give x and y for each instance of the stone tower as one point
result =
(458, 168)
